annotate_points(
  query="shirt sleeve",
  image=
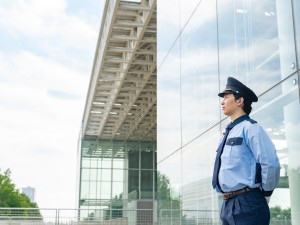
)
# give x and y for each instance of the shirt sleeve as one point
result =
(265, 154)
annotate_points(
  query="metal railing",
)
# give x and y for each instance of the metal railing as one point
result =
(34, 216)
(39, 216)
(188, 217)
(27, 216)
(42, 216)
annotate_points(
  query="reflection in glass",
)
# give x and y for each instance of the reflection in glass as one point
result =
(168, 104)
(199, 67)
(253, 41)
(296, 11)
(146, 184)
(168, 27)
(117, 190)
(249, 43)
(146, 159)
(278, 113)
(133, 159)
(133, 184)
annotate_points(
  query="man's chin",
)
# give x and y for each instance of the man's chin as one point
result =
(224, 112)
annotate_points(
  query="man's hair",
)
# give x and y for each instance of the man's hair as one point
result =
(247, 105)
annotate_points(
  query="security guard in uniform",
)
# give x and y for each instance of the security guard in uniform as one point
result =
(246, 168)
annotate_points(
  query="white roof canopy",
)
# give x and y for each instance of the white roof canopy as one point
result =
(121, 100)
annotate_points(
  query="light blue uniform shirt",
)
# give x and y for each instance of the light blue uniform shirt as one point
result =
(249, 159)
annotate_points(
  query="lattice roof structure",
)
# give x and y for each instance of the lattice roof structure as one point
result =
(121, 101)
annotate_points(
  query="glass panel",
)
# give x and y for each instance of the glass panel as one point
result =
(168, 191)
(199, 155)
(187, 8)
(106, 174)
(255, 41)
(118, 163)
(85, 174)
(118, 175)
(168, 104)
(117, 190)
(278, 112)
(296, 11)
(169, 182)
(199, 69)
(84, 190)
(98, 189)
(93, 163)
(147, 159)
(105, 190)
(93, 174)
(133, 159)
(106, 163)
(167, 27)
(146, 184)
(133, 184)
(85, 162)
(93, 190)
(286, 38)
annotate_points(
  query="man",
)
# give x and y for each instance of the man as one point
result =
(246, 168)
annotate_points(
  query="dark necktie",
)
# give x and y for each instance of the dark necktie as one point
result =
(215, 180)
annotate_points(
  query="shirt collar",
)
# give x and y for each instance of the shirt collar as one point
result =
(237, 121)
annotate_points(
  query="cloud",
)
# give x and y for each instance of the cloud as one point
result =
(47, 28)
(45, 65)
(46, 19)
(37, 73)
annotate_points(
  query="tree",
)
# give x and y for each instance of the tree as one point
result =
(168, 198)
(278, 214)
(163, 186)
(115, 208)
(169, 202)
(10, 197)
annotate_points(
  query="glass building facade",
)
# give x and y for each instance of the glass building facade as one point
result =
(200, 44)
(114, 174)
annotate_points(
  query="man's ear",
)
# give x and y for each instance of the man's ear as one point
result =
(241, 101)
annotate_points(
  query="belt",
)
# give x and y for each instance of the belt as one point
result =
(238, 192)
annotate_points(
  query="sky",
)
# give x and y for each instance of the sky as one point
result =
(47, 50)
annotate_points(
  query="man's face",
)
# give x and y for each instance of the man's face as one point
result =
(229, 105)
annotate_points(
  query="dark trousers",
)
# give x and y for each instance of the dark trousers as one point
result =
(249, 208)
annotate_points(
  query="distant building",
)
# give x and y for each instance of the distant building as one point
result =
(30, 192)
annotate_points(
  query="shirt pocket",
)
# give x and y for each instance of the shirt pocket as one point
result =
(235, 145)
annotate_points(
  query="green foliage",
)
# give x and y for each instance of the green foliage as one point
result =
(163, 187)
(10, 197)
(167, 198)
(115, 208)
(280, 214)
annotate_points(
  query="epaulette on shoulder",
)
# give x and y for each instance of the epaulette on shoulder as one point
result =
(251, 121)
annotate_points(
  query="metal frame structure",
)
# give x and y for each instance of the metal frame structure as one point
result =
(121, 102)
